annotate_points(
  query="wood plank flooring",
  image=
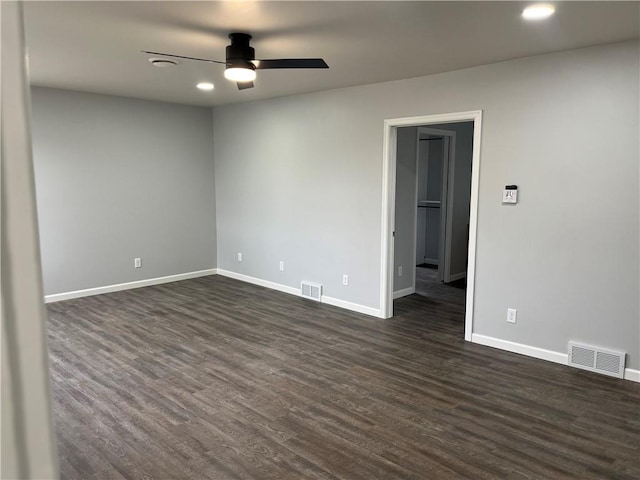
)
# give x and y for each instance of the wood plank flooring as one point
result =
(212, 378)
(427, 285)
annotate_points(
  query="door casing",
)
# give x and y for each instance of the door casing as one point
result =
(388, 204)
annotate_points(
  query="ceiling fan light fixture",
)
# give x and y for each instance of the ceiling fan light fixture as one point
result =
(241, 64)
(538, 11)
(240, 74)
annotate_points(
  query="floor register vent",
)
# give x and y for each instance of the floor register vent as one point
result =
(596, 359)
(310, 290)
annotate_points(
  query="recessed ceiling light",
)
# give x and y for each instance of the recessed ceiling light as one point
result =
(538, 12)
(205, 86)
(162, 62)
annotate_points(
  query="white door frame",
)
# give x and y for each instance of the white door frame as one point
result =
(389, 200)
(446, 200)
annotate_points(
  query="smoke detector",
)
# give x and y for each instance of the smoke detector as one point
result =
(162, 62)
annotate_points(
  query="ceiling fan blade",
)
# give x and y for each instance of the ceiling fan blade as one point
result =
(244, 85)
(291, 63)
(181, 56)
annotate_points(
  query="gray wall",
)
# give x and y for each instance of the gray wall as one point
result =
(300, 179)
(119, 178)
(404, 241)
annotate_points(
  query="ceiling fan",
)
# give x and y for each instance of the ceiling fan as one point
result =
(241, 63)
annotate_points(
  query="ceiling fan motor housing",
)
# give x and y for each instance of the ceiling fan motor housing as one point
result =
(240, 54)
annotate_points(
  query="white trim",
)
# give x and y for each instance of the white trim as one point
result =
(632, 375)
(354, 307)
(57, 297)
(389, 145)
(457, 276)
(473, 224)
(404, 292)
(388, 205)
(414, 272)
(520, 348)
(541, 353)
(258, 281)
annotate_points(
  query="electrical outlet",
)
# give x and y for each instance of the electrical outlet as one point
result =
(137, 262)
(345, 279)
(239, 257)
(512, 315)
(282, 266)
(400, 271)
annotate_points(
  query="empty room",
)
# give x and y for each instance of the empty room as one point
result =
(320, 239)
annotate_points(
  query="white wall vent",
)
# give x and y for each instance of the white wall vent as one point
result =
(596, 359)
(311, 290)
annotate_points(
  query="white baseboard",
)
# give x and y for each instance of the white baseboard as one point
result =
(520, 348)
(375, 312)
(127, 286)
(633, 375)
(457, 276)
(404, 292)
(541, 353)
(259, 281)
(354, 307)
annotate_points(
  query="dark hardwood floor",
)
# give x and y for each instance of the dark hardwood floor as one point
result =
(212, 378)
(427, 285)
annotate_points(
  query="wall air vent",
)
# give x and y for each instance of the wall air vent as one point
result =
(310, 290)
(596, 359)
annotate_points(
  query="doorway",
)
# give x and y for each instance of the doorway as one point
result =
(443, 185)
(434, 174)
(434, 196)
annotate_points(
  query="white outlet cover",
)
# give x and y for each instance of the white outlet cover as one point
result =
(400, 271)
(239, 257)
(345, 279)
(282, 266)
(512, 315)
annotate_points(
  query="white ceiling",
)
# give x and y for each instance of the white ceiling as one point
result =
(95, 46)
